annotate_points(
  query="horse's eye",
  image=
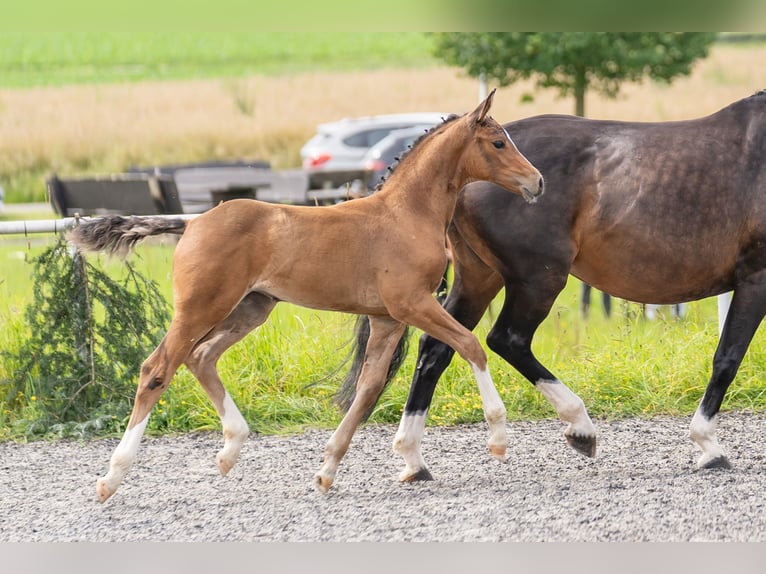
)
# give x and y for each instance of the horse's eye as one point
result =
(499, 144)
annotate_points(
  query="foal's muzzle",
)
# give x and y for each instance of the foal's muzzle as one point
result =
(533, 191)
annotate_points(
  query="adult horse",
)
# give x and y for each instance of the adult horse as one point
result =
(651, 212)
(381, 256)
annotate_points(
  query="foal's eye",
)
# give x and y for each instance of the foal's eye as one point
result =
(499, 144)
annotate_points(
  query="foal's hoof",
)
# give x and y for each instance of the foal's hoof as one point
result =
(583, 444)
(103, 492)
(322, 483)
(499, 451)
(717, 462)
(420, 475)
(224, 464)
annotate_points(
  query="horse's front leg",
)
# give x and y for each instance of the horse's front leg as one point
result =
(384, 337)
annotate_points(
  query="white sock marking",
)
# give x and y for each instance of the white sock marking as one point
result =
(125, 453)
(569, 407)
(494, 411)
(702, 432)
(232, 421)
(407, 442)
(122, 458)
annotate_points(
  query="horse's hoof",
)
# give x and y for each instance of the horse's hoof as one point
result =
(717, 462)
(498, 451)
(322, 483)
(103, 492)
(583, 444)
(419, 475)
(224, 465)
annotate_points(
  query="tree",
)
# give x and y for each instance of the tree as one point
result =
(574, 62)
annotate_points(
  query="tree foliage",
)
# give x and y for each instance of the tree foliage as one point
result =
(573, 62)
(87, 336)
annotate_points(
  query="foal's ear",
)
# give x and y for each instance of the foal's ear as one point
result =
(478, 115)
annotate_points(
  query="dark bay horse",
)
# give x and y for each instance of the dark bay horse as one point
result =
(381, 256)
(650, 212)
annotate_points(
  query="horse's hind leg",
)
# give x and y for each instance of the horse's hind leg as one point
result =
(156, 374)
(251, 312)
(526, 305)
(384, 337)
(747, 309)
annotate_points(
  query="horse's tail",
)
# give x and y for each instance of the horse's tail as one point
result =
(117, 234)
(347, 391)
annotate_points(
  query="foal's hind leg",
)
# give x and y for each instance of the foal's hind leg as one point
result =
(385, 333)
(156, 374)
(747, 309)
(251, 312)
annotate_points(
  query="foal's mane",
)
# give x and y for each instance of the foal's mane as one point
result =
(399, 159)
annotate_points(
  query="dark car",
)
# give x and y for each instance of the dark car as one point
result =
(384, 153)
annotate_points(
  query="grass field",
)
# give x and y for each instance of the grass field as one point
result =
(283, 376)
(28, 60)
(623, 366)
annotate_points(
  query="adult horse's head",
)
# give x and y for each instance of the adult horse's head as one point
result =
(495, 157)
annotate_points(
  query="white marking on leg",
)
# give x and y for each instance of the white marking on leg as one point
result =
(569, 407)
(235, 432)
(122, 459)
(407, 443)
(494, 412)
(702, 432)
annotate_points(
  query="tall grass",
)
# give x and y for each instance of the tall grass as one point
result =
(283, 375)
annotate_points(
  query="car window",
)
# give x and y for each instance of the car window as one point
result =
(367, 138)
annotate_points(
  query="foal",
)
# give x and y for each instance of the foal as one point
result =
(381, 256)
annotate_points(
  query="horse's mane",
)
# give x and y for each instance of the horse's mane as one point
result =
(399, 159)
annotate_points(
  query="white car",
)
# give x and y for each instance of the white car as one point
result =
(342, 145)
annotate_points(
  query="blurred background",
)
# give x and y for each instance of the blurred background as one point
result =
(101, 102)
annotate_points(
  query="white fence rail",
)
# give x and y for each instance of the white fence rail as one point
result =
(59, 225)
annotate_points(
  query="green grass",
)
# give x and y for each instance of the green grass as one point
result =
(96, 57)
(282, 376)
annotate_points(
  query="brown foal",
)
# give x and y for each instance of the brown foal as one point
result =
(381, 256)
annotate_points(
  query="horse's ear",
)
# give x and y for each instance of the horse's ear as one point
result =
(478, 115)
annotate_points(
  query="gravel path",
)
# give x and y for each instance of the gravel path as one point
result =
(641, 487)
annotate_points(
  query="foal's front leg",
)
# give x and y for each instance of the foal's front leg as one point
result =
(429, 316)
(385, 333)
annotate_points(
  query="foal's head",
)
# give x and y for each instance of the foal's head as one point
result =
(492, 156)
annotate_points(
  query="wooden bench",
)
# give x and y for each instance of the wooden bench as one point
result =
(126, 194)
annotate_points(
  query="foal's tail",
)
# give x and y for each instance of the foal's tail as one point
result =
(117, 234)
(347, 391)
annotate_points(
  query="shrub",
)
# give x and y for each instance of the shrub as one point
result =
(87, 335)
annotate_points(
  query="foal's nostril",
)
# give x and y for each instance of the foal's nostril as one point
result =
(540, 185)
